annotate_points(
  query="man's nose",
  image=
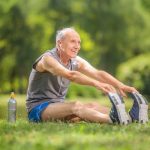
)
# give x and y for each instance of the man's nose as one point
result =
(77, 46)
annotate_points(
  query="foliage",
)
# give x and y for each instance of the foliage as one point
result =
(120, 30)
(17, 47)
(136, 72)
(111, 32)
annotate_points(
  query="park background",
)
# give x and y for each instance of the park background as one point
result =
(115, 37)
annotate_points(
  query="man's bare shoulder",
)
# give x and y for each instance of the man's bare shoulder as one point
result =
(46, 61)
(84, 65)
(48, 57)
(81, 60)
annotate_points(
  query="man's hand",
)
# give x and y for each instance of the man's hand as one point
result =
(124, 88)
(105, 88)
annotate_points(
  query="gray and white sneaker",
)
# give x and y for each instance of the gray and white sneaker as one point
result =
(118, 113)
(139, 110)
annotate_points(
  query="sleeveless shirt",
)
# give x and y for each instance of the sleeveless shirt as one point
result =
(46, 87)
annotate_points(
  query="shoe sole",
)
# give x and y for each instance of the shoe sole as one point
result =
(118, 102)
(143, 107)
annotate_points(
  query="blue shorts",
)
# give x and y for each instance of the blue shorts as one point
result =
(35, 114)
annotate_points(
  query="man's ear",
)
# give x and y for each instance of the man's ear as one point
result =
(59, 44)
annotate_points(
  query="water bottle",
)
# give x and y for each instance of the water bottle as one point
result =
(12, 107)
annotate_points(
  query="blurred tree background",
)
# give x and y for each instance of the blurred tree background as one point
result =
(115, 37)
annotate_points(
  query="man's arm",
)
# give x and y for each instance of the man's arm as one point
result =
(48, 63)
(102, 76)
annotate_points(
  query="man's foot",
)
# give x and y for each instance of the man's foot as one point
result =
(139, 110)
(118, 113)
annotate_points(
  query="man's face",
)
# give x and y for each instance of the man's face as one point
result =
(70, 44)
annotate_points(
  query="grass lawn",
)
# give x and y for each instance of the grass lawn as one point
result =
(68, 136)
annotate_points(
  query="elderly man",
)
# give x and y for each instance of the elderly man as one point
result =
(50, 78)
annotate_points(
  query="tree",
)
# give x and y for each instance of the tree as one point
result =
(116, 28)
(18, 37)
(136, 72)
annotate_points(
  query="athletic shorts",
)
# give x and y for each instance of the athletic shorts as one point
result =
(35, 114)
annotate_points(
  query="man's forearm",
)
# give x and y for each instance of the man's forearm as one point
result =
(80, 78)
(107, 78)
(85, 80)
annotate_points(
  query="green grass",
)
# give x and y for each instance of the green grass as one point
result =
(62, 136)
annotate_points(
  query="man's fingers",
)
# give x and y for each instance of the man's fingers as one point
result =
(106, 88)
(122, 93)
(105, 91)
(110, 88)
(130, 89)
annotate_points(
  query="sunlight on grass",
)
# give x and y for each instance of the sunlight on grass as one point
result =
(78, 136)
(23, 135)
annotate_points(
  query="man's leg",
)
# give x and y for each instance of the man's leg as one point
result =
(93, 105)
(98, 107)
(60, 111)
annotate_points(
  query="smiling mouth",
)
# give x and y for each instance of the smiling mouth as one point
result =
(74, 51)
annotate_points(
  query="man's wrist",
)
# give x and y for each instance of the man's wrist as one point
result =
(120, 85)
(96, 84)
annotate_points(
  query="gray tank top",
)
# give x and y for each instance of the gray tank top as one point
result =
(46, 87)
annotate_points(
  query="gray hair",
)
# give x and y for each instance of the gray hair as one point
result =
(61, 33)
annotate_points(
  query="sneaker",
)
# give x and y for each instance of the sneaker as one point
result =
(139, 110)
(118, 113)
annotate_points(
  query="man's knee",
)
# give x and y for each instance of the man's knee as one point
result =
(77, 107)
(92, 105)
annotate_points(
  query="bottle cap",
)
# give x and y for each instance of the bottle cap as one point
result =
(12, 95)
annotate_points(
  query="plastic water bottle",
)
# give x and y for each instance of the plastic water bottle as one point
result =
(12, 107)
